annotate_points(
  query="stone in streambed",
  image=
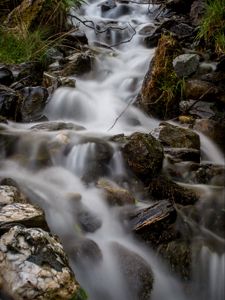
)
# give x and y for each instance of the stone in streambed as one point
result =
(10, 102)
(114, 194)
(10, 195)
(164, 188)
(154, 224)
(176, 137)
(6, 76)
(138, 275)
(186, 64)
(33, 265)
(144, 155)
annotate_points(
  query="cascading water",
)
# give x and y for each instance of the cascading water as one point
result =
(102, 105)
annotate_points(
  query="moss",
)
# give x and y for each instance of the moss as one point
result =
(80, 294)
(162, 89)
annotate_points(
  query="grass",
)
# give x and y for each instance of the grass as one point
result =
(212, 27)
(31, 43)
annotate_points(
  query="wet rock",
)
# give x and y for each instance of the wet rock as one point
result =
(144, 155)
(21, 213)
(198, 109)
(10, 102)
(164, 188)
(152, 40)
(155, 224)
(79, 64)
(176, 137)
(34, 102)
(182, 154)
(197, 11)
(159, 95)
(182, 30)
(179, 256)
(115, 195)
(27, 74)
(57, 126)
(6, 76)
(75, 38)
(186, 64)
(52, 55)
(137, 273)
(34, 265)
(215, 130)
(147, 29)
(10, 195)
(207, 174)
(85, 251)
(107, 5)
(199, 89)
(85, 218)
(179, 6)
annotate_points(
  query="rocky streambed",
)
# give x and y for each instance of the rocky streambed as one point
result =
(112, 160)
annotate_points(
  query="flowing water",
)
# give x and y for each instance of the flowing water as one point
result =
(101, 104)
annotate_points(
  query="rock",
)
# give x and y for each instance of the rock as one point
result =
(154, 224)
(144, 155)
(56, 126)
(10, 195)
(114, 194)
(27, 74)
(198, 109)
(79, 64)
(35, 99)
(197, 11)
(152, 40)
(186, 64)
(138, 275)
(107, 5)
(182, 154)
(75, 38)
(182, 30)
(164, 188)
(215, 130)
(207, 174)
(195, 89)
(179, 256)
(176, 137)
(21, 213)
(6, 76)
(179, 6)
(10, 102)
(84, 252)
(159, 95)
(34, 266)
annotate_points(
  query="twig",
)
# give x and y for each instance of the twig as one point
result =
(120, 115)
(126, 41)
(199, 99)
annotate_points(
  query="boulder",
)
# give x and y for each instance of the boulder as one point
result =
(21, 213)
(6, 76)
(164, 188)
(56, 126)
(114, 194)
(138, 275)
(10, 195)
(27, 74)
(182, 154)
(179, 6)
(107, 5)
(144, 155)
(176, 137)
(34, 101)
(186, 64)
(79, 64)
(154, 224)
(10, 102)
(33, 265)
(198, 89)
(178, 255)
(160, 95)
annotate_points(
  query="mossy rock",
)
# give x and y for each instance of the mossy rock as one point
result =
(144, 155)
(161, 90)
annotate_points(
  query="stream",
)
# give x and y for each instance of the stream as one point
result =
(100, 107)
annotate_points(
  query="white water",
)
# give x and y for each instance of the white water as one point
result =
(97, 101)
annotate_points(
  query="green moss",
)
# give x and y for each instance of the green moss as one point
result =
(80, 295)
(212, 27)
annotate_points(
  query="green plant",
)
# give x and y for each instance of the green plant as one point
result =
(212, 27)
(80, 295)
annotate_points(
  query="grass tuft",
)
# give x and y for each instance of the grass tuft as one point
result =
(212, 27)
